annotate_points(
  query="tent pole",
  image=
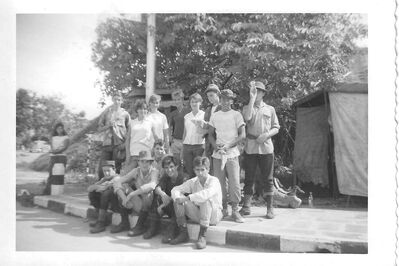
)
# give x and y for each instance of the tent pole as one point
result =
(330, 149)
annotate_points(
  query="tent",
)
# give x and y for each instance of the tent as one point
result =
(331, 142)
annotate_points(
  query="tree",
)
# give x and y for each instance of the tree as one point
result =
(295, 53)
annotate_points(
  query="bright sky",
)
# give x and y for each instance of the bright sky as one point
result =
(53, 58)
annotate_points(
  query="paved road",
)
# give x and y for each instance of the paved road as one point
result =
(43, 230)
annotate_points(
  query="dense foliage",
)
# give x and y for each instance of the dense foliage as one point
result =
(37, 115)
(295, 53)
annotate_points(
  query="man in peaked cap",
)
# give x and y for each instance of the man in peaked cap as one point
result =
(262, 125)
(135, 191)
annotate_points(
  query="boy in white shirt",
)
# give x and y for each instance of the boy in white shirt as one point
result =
(230, 130)
(159, 120)
(203, 204)
(193, 135)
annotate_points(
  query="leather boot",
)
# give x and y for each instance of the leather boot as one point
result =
(201, 242)
(170, 232)
(246, 207)
(182, 237)
(124, 225)
(100, 226)
(269, 205)
(153, 228)
(92, 224)
(140, 228)
(235, 214)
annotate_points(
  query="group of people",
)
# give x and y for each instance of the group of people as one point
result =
(187, 167)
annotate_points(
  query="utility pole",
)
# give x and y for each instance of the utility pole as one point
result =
(150, 74)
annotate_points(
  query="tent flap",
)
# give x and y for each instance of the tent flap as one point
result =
(311, 145)
(350, 125)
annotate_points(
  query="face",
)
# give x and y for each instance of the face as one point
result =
(225, 102)
(195, 104)
(170, 169)
(144, 165)
(179, 100)
(213, 97)
(108, 171)
(259, 96)
(141, 112)
(117, 100)
(59, 130)
(201, 171)
(154, 104)
(159, 151)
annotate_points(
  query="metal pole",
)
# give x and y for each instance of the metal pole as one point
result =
(150, 74)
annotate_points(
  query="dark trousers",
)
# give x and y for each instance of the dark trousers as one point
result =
(104, 200)
(265, 163)
(109, 153)
(189, 153)
(168, 209)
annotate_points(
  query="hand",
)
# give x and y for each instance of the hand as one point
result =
(262, 138)
(252, 91)
(181, 200)
(160, 211)
(165, 199)
(124, 201)
(91, 188)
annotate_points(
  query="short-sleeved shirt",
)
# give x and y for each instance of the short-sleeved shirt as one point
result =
(226, 125)
(177, 122)
(166, 184)
(160, 123)
(193, 135)
(263, 119)
(120, 120)
(141, 138)
(137, 179)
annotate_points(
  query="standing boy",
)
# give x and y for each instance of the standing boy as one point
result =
(262, 125)
(202, 205)
(230, 131)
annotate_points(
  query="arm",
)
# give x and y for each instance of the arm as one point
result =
(178, 191)
(151, 185)
(102, 123)
(211, 136)
(206, 194)
(241, 137)
(127, 143)
(247, 112)
(118, 188)
(274, 128)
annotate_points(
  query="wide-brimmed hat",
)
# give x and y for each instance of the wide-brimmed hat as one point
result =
(227, 93)
(108, 163)
(145, 155)
(213, 88)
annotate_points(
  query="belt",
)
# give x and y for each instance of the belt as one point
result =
(249, 136)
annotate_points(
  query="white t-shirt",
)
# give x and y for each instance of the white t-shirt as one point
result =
(159, 122)
(194, 135)
(226, 125)
(141, 137)
(58, 141)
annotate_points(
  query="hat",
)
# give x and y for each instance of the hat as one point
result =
(212, 87)
(145, 155)
(108, 163)
(259, 85)
(227, 93)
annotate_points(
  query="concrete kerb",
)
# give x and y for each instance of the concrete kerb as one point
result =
(221, 235)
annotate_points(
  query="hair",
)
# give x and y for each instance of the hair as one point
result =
(201, 161)
(196, 96)
(168, 159)
(153, 98)
(140, 104)
(159, 142)
(55, 133)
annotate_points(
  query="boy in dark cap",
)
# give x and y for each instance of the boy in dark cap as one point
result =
(101, 195)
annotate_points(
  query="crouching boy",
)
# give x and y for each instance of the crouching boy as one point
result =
(135, 191)
(162, 203)
(101, 195)
(203, 204)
